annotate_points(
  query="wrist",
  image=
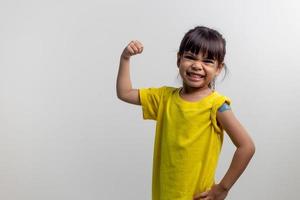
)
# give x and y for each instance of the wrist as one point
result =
(124, 57)
(224, 186)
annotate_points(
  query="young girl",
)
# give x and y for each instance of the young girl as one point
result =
(190, 121)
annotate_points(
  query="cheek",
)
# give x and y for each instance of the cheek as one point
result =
(182, 69)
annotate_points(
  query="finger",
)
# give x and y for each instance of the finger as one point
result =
(134, 49)
(130, 50)
(200, 196)
(206, 198)
(141, 49)
(134, 46)
(204, 194)
(139, 45)
(196, 197)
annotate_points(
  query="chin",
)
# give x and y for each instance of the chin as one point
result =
(196, 86)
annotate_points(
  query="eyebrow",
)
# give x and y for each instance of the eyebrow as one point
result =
(191, 54)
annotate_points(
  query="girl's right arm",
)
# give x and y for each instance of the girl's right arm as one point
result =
(125, 92)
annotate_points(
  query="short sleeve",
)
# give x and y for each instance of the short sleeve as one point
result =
(217, 103)
(150, 99)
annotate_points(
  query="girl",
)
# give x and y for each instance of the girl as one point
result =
(190, 121)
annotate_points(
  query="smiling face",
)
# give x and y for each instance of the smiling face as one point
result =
(200, 58)
(197, 71)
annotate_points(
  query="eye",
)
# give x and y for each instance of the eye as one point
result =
(208, 61)
(189, 57)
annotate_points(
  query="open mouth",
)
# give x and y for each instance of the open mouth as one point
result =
(195, 75)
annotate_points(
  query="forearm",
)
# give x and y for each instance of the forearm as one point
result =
(240, 160)
(123, 86)
(123, 79)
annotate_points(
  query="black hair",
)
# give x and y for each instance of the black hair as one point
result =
(209, 42)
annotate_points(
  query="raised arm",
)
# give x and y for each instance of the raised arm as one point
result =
(125, 92)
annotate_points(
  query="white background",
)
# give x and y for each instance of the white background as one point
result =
(65, 135)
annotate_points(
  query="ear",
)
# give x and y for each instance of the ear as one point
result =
(219, 69)
(178, 59)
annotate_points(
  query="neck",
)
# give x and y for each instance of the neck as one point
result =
(195, 91)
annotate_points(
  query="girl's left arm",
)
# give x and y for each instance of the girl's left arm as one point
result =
(244, 151)
(244, 144)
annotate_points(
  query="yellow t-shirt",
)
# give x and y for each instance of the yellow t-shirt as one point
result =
(188, 142)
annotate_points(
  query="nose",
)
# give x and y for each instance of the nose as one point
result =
(197, 66)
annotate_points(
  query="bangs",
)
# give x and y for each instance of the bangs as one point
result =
(209, 45)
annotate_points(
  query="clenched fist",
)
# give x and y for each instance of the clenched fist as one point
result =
(133, 48)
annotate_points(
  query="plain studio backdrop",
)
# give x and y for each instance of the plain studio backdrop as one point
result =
(64, 134)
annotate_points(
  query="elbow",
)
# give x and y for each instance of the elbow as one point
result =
(120, 96)
(251, 149)
(248, 149)
(123, 96)
(119, 93)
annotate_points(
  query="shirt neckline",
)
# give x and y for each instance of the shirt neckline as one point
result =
(183, 101)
